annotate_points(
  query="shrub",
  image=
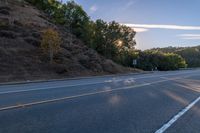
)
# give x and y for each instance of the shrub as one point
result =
(50, 42)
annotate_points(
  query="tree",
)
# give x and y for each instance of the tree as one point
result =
(99, 39)
(111, 40)
(126, 57)
(50, 43)
(150, 60)
(190, 54)
(77, 20)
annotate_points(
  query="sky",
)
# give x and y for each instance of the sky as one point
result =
(158, 23)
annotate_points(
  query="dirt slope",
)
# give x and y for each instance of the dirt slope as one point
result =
(22, 59)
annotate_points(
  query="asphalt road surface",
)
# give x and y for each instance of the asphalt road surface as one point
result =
(147, 103)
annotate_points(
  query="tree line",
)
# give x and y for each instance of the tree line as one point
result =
(156, 60)
(190, 54)
(110, 39)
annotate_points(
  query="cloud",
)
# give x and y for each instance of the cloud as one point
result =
(190, 36)
(169, 27)
(93, 8)
(140, 29)
(130, 3)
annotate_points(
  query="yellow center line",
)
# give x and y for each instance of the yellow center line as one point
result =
(81, 95)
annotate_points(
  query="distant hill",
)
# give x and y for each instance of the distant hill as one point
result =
(190, 54)
(22, 58)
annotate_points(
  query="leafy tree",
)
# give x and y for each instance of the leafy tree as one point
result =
(50, 43)
(76, 20)
(99, 39)
(190, 54)
(125, 57)
(112, 40)
(151, 60)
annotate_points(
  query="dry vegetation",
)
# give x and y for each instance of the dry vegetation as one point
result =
(21, 57)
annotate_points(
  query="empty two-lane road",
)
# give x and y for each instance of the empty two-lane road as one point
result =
(147, 103)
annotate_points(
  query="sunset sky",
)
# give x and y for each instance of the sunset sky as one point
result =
(159, 23)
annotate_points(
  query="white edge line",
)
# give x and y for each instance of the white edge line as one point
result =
(176, 117)
(48, 88)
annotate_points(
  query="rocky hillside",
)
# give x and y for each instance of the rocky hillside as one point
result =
(21, 57)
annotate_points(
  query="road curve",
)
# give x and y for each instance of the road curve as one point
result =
(147, 103)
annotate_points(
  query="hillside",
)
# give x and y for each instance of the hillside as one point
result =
(190, 54)
(22, 58)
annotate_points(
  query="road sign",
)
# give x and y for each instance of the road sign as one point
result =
(134, 62)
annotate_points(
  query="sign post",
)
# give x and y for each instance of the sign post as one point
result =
(134, 63)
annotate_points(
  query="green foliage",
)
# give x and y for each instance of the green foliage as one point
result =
(125, 57)
(70, 15)
(152, 60)
(76, 20)
(190, 54)
(112, 40)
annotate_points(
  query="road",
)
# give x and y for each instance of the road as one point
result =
(147, 103)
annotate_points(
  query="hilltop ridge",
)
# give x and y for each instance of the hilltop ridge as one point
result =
(22, 58)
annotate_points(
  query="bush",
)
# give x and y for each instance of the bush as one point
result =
(50, 43)
(154, 60)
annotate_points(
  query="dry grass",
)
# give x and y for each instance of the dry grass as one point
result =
(22, 59)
